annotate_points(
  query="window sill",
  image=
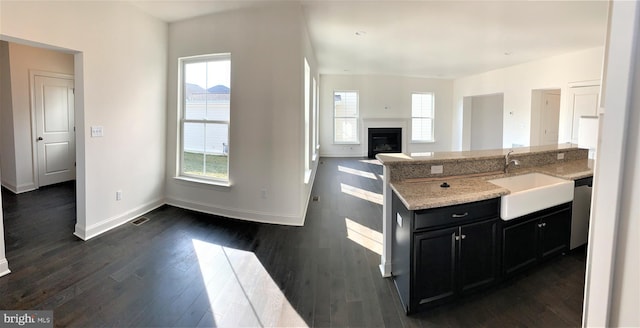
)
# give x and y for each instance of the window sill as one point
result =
(204, 181)
(422, 142)
(307, 176)
(346, 143)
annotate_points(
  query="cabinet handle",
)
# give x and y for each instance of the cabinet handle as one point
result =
(544, 224)
(459, 215)
(463, 236)
(457, 237)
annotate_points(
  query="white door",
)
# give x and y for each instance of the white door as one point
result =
(549, 118)
(583, 101)
(55, 135)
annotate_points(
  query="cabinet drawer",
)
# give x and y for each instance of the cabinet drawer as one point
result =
(456, 214)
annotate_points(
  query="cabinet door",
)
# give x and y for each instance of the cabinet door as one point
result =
(519, 246)
(478, 255)
(555, 233)
(434, 276)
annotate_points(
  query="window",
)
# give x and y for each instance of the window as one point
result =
(345, 117)
(422, 117)
(307, 132)
(205, 113)
(315, 143)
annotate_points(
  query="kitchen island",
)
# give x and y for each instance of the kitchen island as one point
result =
(432, 203)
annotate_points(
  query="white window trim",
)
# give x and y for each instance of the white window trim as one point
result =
(314, 144)
(433, 120)
(180, 175)
(357, 117)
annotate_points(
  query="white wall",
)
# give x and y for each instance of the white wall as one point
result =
(7, 146)
(626, 278)
(516, 83)
(384, 97)
(24, 59)
(486, 121)
(266, 149)
(120, 75)
(612, 287)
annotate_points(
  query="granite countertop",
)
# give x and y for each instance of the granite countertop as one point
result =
(418, 194)
(571, 170)
(427, 157)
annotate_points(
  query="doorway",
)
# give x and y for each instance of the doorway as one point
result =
(486, 121)
(545, 116)
(39, 103)
(54, 127)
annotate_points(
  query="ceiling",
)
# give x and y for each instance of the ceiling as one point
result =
(436, 39)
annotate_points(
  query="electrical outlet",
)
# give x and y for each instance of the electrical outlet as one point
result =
(437, 169)
(560, 156)
(119, 195)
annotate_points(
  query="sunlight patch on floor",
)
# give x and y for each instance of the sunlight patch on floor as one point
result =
(371, 161)
(361, 193)
(364, 236)
(357, 172)
(241, 291)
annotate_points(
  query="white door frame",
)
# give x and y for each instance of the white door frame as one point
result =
(34, 133)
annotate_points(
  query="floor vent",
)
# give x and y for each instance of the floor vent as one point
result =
(315, 198)
(140, 220)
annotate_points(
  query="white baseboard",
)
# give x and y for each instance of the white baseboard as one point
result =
(385, 270)
(234, 213)
(4, 267)
(19, 189)
(86, 233)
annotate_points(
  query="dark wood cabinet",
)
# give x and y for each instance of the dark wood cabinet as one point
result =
(478, 253)
(535, 237)
(435, 265)
(443, 253)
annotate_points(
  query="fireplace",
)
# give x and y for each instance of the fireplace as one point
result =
(384, 140)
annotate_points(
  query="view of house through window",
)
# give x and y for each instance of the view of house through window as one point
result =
(206, 91)
(422, 117)
(345, 117)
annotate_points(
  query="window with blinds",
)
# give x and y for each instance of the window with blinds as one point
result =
(422, 117)
(345, 117)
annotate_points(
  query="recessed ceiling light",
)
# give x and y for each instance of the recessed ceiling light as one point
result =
(361, 33)
(508, 53)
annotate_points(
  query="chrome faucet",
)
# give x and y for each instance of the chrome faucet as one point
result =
(508, 161)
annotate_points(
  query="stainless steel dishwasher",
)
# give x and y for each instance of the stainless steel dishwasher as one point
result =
(581, 212)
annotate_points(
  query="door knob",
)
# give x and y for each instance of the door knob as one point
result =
(40, 139)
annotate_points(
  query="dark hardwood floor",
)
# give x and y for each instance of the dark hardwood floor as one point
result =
(187, 269)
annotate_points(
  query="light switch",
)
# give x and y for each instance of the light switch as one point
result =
(97, 131)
